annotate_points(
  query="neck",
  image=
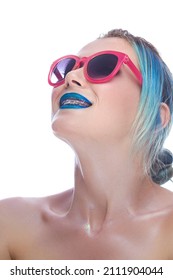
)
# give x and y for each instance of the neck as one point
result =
(107, 182)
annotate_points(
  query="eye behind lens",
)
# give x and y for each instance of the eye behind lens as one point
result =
(101, 66)
(61, 69)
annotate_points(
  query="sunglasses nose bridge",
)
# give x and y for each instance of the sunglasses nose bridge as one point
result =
(82, 62)
(72, 77)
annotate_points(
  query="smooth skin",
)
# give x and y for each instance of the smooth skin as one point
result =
(114, 211)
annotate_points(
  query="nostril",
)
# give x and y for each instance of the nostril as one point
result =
(76, 82)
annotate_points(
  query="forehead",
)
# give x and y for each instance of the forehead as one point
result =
(115, 44)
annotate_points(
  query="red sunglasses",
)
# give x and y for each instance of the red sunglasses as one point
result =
(98, 68)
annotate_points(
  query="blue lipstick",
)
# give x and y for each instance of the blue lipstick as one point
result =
(73, 100)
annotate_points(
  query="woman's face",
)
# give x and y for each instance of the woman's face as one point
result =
(114, 103)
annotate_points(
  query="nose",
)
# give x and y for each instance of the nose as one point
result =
(72, 82)
(75, 78)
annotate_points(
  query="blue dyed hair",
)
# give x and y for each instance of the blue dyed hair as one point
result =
(148, 133)
(157, 88)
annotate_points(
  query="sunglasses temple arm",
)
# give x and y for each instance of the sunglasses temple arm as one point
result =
(134, 69)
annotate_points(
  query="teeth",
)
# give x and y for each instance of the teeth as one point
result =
(74, 102)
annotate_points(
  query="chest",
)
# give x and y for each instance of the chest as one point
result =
(125, 241)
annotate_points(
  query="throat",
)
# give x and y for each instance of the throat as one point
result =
(92, 230)
(94, 219)
(87, 229)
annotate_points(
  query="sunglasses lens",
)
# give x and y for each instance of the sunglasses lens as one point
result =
(102, 66)
(61, 69)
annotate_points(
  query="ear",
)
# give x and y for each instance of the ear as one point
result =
(164, 114)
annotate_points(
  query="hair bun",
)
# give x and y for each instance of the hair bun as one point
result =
(162, 170)
(166, 157)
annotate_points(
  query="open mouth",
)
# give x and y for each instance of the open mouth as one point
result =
(74, 100)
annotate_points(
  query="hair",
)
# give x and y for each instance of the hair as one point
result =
(157, 87)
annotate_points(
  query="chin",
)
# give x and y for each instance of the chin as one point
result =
(66, 128)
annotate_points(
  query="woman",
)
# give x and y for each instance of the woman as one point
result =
(113, 105)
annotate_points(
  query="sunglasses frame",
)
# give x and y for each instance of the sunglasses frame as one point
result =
(83, 62)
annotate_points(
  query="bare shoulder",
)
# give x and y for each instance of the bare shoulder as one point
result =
(164, 202)
(168, 196)
(15, 214)
(21, 219)
(16, 208)
(23, 207)
(166, 215)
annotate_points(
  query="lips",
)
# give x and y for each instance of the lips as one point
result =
(74, 100)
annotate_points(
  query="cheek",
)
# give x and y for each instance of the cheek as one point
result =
(118, 105)
(54, 98)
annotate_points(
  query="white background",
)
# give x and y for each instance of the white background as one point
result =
(33, 33)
